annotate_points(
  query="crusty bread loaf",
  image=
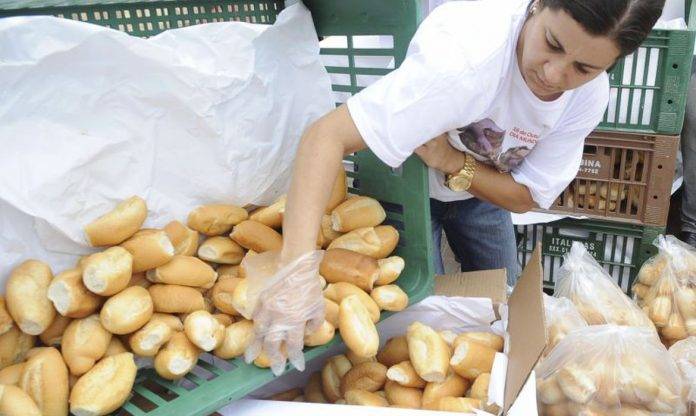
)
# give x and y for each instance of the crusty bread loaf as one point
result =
(365, 398)
(118, 225)
(487, 339)
(221, 295)
(404, 374)
(11, 375)
(357, 328)
(389, 239)
(332, 373)
(14, 345)
(403, 397)
(84, 342)
(176, 299)
(184, 239)
(177, 358)
(224, 319)
(471, 359)
(108, 272)
(357, 212)
(213, 220)
(26, 297)
(255, 236)
(272, 215)
(340, 290)
(16, 402)
(394, 351)
(389, 270)
(237, 338)
(45, 379)
(105, 388)
(53, 335)
(428, 352)
(127, 311)
(327, 233)
(70, 297)
(363, 240)
(341, 265)
(184, 271)
(368, 376)
(390, 298)
(331, 312)
(204, 330)
(150, 249)
(321, 336)
(479, 390)
(453, 385)
(147, 341)
(221, 250)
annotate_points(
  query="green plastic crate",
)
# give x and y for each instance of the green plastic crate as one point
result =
(403, 192)
(649, 87)
(620, 248)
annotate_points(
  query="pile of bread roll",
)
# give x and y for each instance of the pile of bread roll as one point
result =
(171, 294)
(424, 369)
(561, 317)
(666, 290)
(609, 370)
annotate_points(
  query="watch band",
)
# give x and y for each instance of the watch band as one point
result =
(461, 181)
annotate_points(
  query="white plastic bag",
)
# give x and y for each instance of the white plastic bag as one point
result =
(561, 317)
(684, 354)
(210, 113)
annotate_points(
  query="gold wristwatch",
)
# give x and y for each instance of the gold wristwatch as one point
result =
(461, 181)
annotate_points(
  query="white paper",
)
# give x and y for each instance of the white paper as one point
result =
(89, 116)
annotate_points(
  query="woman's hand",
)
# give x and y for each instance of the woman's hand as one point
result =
(439, 154)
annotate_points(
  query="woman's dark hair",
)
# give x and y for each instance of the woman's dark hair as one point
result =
(627, 22)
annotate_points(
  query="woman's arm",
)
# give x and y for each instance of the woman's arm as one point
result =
(488, 184)
(319, 157)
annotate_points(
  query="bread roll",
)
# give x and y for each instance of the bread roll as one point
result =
(389, 270)
(471, 359)
(6, 321)
(340, 265)
(127, 311)
(108, 272)
(16, 402)
(358, 212)
(204, 330)
(221, 250)
(365, 398)
(453, 385)
(184, 271)
(45, 379)
(327, 233)
(84, 342)
(321, 336)
(548, 390)
(263, 360)
(331, 312)
(240, 301)
(458, 404)
(675, 328)
(404, 397)
(147, 341)
(117, 225)
(576, 383)
(388, 240)
(338, 192)
(221, 295)
(70, 297)
(224, 319)
(176, 299)
(404, 374)
(105, 388)
(357, 329)
(660, 310)
(26, 297)
(640, 290)
(363, 240)
(312, 391)
(487, 339)
(368, 376)
(14, 345)
(184, 239)
(212, 220)
(237, 338)
(332, 374)
(394, 352)
(177, 358)
(428, 352)
(255, 236)
(340, 290)
(11, 375)
(686, 302)
(54, 334)
(287, 396)
(172, 321)
(390, 298)
(115, 347)
(272, 215)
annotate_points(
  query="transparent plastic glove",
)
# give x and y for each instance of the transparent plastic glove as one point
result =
(283, 301)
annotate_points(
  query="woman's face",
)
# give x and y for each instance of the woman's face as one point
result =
(556, 54)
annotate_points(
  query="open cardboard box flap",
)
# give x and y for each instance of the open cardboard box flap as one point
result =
(526, 323)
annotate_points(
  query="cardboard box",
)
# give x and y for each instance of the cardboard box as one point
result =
(478, 294)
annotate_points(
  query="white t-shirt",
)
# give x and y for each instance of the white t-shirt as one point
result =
(461, 76)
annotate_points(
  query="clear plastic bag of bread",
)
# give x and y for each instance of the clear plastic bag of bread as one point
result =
(684, 354)
(666, 289)
(598, 299)
(607, 370)
(561, 317)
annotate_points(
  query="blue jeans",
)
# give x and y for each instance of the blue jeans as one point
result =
(480, 234)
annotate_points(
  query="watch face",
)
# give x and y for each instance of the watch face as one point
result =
(459, 184)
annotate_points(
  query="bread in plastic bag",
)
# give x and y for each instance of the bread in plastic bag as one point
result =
(598, 299)
(684, 354)
(666, 289)
(609, 370)
(561, 317)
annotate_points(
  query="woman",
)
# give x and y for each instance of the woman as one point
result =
(496, 97)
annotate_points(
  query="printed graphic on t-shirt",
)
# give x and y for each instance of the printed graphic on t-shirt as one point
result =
(485, 139)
